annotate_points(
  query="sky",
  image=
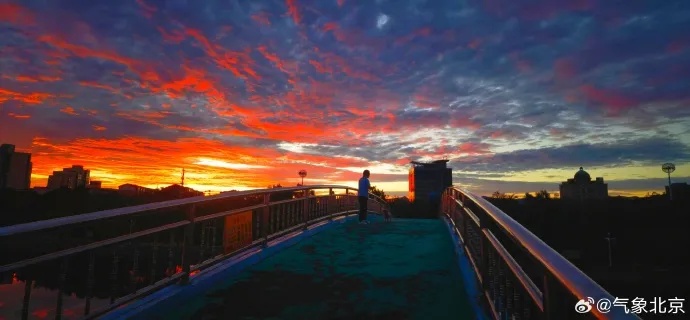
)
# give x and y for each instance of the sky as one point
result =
(243, 94)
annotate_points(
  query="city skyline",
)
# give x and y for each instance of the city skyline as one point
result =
(516, 96)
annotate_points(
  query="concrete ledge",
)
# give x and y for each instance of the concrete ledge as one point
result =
(468, 276)
(145, 307)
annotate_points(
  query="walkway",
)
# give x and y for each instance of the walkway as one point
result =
(404, 269)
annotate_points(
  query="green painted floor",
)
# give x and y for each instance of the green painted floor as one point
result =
(404, 269)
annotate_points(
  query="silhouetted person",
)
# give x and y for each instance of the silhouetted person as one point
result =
(363, 196)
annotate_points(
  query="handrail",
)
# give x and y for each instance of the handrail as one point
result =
(573, 279)
(118, 212)
(564, 270)
(269, 220)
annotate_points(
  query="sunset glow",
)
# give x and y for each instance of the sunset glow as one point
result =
(517, 94)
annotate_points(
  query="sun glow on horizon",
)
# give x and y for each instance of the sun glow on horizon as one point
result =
(227, 165)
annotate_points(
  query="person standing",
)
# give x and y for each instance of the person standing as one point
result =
(363, 196)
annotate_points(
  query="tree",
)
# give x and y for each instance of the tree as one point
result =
(500, 195)
(528, 196)
(543, 194)
(378, 192)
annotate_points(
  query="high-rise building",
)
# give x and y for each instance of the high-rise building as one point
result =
(15, 168)
(582, 187)
(71, 178)
(427, 180)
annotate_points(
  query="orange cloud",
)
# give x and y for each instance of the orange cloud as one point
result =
(69, 110)
(27, 98)
(19, 116)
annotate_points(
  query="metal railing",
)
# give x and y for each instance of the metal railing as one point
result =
(98, 261)
(518, 275)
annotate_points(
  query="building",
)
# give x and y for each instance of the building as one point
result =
(71, 178)
(427, 179)
(133, 189)
(582, 187)
(679, 191)
(95, 184)
(15, 168)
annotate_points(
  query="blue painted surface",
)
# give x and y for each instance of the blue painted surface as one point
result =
(173, 295)
(468, 275)
(399, 270)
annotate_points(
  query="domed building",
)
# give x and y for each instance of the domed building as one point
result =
(582, 187)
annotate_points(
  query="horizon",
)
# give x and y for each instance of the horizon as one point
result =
(517, 96)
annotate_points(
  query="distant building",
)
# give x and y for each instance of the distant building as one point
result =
(133, 189)
(428, 180)
(94, 184)
(15, 168)
(582, 187)
(71, 178)
(679, 190)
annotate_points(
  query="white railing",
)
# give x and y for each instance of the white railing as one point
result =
(518, 275)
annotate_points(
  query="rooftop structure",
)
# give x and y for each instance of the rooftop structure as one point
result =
(15, 168)
(582, 187)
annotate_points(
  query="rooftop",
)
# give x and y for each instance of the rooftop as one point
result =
(398, 270)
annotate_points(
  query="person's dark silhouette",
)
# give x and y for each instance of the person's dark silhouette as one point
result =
(363, 196)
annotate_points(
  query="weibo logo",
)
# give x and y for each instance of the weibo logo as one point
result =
(584, 306)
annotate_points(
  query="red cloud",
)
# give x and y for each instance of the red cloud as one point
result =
(611, 101)
(16, 14)
(564, 69)
(292, 10)
(261, 18)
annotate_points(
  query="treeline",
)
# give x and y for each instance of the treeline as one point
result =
(649, 237)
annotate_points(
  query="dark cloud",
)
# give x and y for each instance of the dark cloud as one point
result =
(619, 154)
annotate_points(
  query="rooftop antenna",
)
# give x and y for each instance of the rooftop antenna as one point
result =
(182, 182)
(668, 168)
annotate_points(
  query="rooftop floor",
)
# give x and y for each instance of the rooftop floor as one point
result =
(405, 269)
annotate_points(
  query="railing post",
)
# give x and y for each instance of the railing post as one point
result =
(264, 217)
(305, 211)
(62, 281)
(187, 243)
(347, 201)
(551, 295)
(329, 204)
(483, 246)
(27, 298)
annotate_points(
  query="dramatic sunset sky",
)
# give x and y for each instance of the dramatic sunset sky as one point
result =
(243, 94)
